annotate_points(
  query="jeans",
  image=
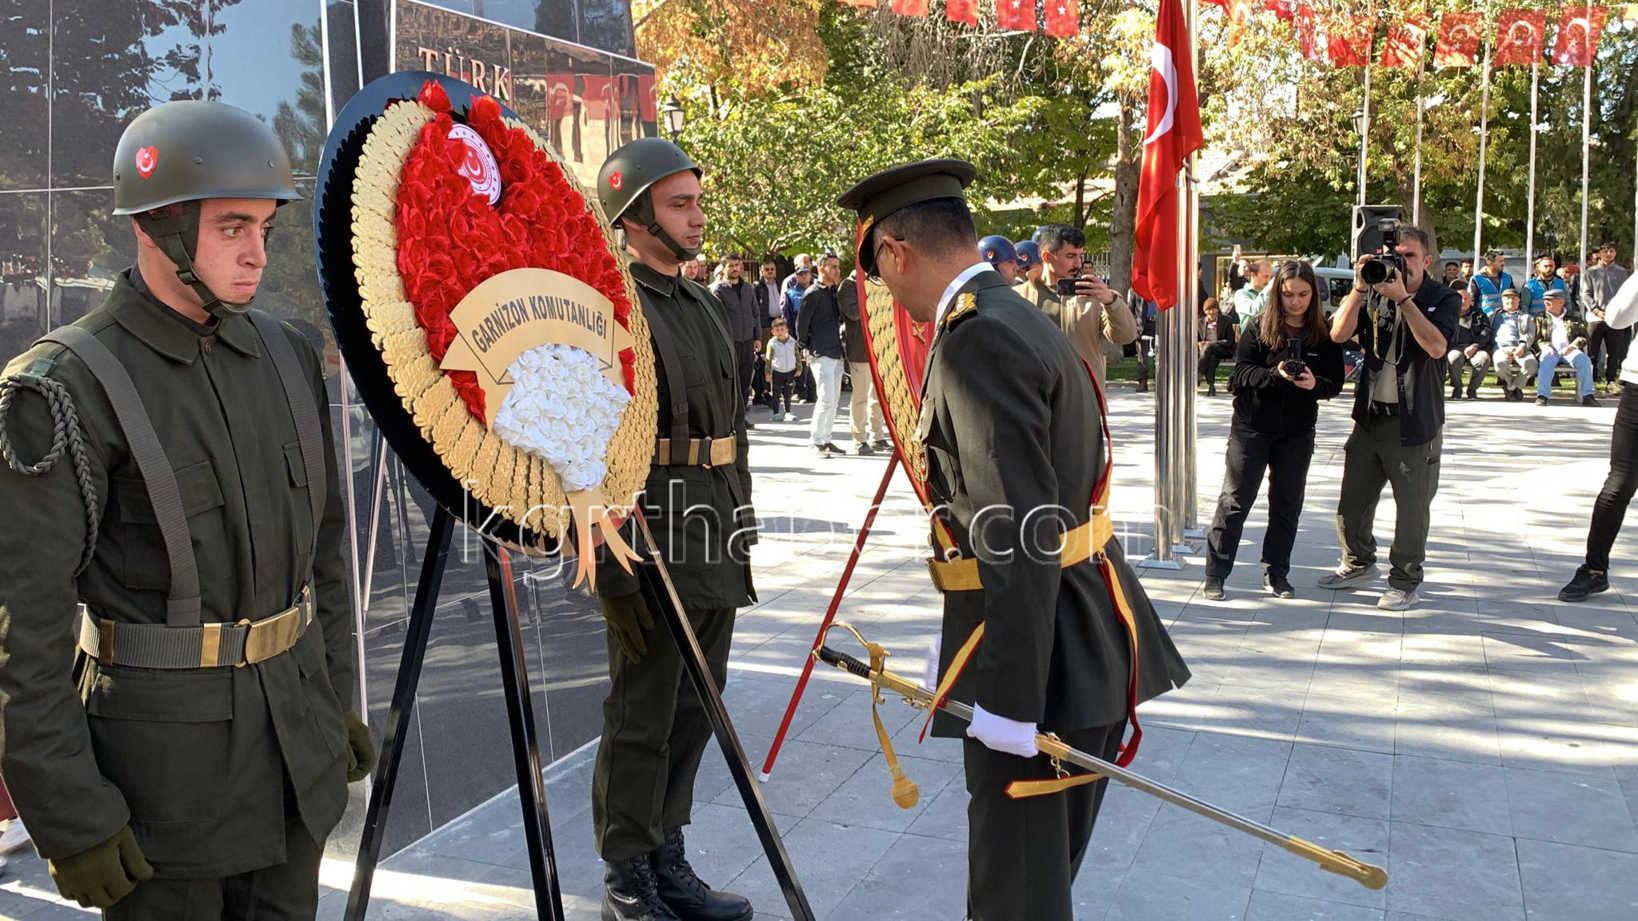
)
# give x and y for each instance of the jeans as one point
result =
(1611, 505)
(1583, 373)
(827, 377)
(1251, 453)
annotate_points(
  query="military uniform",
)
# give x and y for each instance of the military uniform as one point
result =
(220, 772)
(654, 726)
(1010, 423)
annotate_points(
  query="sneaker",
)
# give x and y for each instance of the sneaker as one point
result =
(1347, 578)
(1588, 400)
(822, 450)
(863, 449)
(831, 447)
(882, 444)
(16, 836)
(1456, 393)
(1542, 401)
(748, 425)
(1279, 586)
(1397, 599)
(1586, 582)
(1213, 589)
(790, 417)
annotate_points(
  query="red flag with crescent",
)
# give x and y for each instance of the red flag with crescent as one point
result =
(1306, 25)
(1015, 14)
(1459, 37)
(1578, 31)
(962, 11)
(1283, 10)
(1240, 13)
(1407, 43)
(1174, 133)
(1519, 37)
(1063, 18)
(1350, 39)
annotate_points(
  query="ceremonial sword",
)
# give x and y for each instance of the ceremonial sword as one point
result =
(1371, 877)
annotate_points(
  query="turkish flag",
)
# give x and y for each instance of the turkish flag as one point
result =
(1283, 10)
(1240, 14)
(1224, 4)
(1519, 38)
(964, 11)
(910, 7)
(1063, 18)
(1578, 31)
(1306, 25)
(1015, 14)
(1350, 39)
(1459, 37)
(863, 4)
(1174, 133)
(1407, 42)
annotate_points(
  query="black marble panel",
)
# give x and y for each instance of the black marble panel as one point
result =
(606, 24)
(572, 651)
(343, 51)
(23, 311)
(24, 68)
(409, 819)
(89, 247)
(569, 95)
(470, 49)
(268, 59)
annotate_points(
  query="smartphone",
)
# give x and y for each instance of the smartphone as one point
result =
(1066, 286)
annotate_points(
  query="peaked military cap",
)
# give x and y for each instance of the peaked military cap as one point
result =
(899, 187)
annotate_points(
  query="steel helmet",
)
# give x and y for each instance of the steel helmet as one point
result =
(628, 174)
(1029, 254)
(179, 153)
(996, 249)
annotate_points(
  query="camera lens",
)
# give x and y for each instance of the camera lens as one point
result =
(1373, 272)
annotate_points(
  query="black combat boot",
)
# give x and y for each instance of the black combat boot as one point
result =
(688, 897)
(630, 891)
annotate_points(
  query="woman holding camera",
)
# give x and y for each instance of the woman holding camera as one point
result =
(1284, 365)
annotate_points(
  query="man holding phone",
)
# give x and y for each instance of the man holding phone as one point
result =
(1084, 307)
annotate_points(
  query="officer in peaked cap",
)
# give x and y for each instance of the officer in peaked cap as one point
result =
(1014, 455)
(698, 505)
(196, 756)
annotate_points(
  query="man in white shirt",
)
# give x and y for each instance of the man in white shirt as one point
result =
(1563, 340)
(1249, 300)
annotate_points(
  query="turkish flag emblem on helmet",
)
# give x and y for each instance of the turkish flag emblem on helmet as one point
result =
(146, 159)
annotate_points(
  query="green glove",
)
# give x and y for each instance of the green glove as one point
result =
(629, 620)
(99, 876)
(360, 749)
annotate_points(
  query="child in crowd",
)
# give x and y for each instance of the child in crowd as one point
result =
(781, 360)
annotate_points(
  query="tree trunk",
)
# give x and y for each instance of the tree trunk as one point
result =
(1123, 210)
(1080, 202)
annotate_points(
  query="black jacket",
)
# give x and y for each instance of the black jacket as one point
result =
(1272, 405)
(819, 323)
(1421, 377)
(1011, 422)
(1474, 329)
(740, 304)
(853, 337)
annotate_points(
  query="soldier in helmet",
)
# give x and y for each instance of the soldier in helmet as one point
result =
(998, 251)
(169, 470)
(698, 504)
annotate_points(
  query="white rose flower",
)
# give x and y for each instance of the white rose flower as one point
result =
(565, 409)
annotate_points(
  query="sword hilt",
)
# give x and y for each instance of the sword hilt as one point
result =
(843, 661)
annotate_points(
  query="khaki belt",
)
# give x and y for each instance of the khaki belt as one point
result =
(205, 646)
(1080, 544)
(702, 452)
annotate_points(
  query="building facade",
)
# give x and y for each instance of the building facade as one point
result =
(79, 72)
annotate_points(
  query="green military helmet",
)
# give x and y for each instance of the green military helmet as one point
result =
(180, 153)
(628, 174)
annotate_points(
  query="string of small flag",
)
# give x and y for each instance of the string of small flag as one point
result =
(1343, 40)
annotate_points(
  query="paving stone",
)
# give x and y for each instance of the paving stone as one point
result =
(1365, 839)
(1453, 874)
(1147, 895)
(1338, 780)
(1569, 809)
(1568, 883)
(1451, 794)
(1275, 906)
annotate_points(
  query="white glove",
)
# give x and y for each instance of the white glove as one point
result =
(998, 733)
(929, 673)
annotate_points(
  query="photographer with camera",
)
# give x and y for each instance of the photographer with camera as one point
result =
(1404, 323)
(1084, 307)
(1285, 364)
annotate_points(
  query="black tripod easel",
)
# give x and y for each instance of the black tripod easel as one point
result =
(661, 596)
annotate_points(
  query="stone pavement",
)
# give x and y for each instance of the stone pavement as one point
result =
(1482, 746)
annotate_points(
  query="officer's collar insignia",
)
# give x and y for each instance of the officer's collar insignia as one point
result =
(964, 305)
(499, 315)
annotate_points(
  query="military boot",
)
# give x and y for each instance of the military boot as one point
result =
(688, 897)
(630, 893)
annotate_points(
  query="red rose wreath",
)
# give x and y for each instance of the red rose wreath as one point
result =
(441, 204)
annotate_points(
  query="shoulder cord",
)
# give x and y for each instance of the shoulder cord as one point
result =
(65, 422)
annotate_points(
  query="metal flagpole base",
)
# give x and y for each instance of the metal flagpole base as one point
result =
(1195, 533)
(1184, 549)
(1155, 562)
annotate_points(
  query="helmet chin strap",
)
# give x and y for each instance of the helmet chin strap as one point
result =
(175, 231)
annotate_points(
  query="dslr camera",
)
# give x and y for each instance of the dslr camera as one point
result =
(1376, 233)
(1292, 362)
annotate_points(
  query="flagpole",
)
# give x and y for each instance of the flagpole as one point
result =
(1530, 185)
(1364, 131)
(1586, 131)
(1188, 355)
(1421, 108)
(1484, 144)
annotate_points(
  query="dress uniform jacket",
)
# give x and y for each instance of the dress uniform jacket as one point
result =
(1011, 425)
(701, 516)
(202, 763)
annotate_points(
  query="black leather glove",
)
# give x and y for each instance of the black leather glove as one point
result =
(629, 620)
(360, 749)
(101, 875)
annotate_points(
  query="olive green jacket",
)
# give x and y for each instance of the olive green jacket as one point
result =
(1015, 448)
(196, 761)
(701, 516)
